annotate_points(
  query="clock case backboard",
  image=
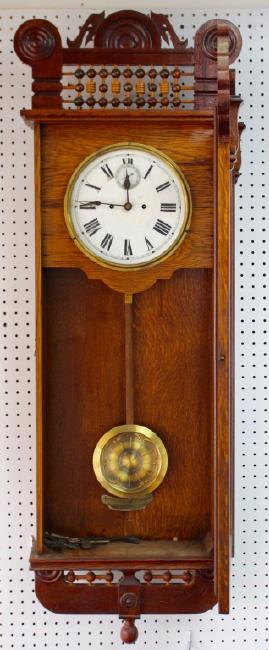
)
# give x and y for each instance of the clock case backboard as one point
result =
(183, 319)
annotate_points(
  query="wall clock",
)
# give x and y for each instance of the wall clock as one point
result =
(137, 149)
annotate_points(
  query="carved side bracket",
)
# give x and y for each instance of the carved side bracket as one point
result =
(236, 129)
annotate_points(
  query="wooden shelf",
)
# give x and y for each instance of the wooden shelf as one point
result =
(183, 554)
(68, 115)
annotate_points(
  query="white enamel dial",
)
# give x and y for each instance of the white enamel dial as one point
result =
(127, 205)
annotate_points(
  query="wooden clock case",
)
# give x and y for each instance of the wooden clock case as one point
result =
(183, 320)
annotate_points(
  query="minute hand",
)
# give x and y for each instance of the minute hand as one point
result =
(89, 204)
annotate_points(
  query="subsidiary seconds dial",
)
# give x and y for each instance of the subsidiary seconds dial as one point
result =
(127, 205)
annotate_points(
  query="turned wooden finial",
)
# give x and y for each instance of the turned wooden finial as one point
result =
(38, 43)
(129, 631)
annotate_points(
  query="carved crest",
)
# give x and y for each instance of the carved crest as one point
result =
(127, 30)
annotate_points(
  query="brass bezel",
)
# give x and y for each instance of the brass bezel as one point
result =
(133, 428)
(118, 265)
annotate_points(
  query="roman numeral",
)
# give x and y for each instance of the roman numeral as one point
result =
(92, 227)
(149, 244)
(106, 169)
(128, 161)
(168, 207)
(127, 247)
(148, 172)
(93, 186)
(87, 205)
(162, 187)
(107, 241)
(162, 227)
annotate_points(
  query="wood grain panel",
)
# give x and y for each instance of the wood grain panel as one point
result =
(85, 397)
(190, 147)
(72, 116)
(39, 348)
(222, 402)
(173, 347)
(81, 346)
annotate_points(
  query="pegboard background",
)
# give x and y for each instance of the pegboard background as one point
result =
(25, 624)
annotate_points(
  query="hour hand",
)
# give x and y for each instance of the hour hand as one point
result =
(89, 205)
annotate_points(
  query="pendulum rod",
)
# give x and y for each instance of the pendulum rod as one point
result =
(129, 358)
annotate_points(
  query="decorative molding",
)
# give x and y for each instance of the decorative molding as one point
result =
(167, 31)
(90, 577)
(129, 631)
(206, 574)
(185, 577)
(36, 40)
(49, 576)
(126, 38)
(38, 44)
(87, 30)
(128, 600)
(128, 597)
(210, 32)
(127, 30)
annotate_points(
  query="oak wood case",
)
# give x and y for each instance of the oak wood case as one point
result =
(182, 331)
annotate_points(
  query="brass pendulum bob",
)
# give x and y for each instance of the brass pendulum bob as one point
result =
(130, 460)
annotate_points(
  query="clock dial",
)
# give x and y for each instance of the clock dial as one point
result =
(127, 205)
